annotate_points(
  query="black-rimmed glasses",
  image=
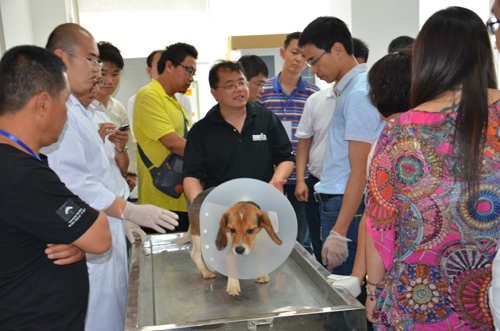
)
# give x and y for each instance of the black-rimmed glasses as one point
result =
(312, 63)
(100, 83)
(93, 63)
(492, 26)
(189, 70)
(259, 85)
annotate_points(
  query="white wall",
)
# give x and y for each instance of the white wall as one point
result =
(17, 22)
(377, 23)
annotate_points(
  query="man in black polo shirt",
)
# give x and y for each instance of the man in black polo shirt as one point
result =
(236, 139)
(36, 207)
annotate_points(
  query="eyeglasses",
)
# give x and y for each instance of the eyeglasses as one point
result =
(189, 70)
(232, 86)
(93, 63)
(259, 85)
(490, 25)
(100, 83)
(313, 62)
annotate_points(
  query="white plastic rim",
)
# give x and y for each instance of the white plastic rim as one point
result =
(266, 255)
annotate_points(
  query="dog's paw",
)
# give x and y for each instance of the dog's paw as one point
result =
(263, 279)
(207, 274)
(233, 287)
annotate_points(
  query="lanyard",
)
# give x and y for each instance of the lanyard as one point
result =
(14, 139)
(185, 121)
(294, 93)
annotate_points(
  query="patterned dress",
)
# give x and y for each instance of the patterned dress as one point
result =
(436, 246)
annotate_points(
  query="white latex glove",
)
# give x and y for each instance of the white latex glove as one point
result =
(334, 250)
(151, 216)
(132, 229)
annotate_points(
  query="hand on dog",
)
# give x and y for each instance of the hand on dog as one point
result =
(151, 216)
(334, 251)
(132, 230)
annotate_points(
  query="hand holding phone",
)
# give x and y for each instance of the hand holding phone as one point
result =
(124, 127)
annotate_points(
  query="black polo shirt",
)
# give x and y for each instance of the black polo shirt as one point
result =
(217, 152)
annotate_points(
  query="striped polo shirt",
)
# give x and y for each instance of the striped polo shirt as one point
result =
(293, 112)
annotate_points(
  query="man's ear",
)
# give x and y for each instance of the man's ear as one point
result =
(149, 71)
(41, 104)
(59, 52)
(337, 48)
(282, 53)
(214, 93)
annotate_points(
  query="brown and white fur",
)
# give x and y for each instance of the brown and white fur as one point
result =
(243, 221)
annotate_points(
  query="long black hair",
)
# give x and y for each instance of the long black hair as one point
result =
(453, 49)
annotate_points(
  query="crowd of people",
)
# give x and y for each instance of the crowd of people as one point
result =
(393, 173)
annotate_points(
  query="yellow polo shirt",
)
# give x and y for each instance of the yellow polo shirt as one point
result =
(156, 115)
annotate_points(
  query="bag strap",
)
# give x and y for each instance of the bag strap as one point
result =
(144, 158)
(185, 121)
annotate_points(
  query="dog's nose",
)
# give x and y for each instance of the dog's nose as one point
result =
(239, 250)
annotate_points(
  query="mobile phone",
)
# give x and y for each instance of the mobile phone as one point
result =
(124, 127)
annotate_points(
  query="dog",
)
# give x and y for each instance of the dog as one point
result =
(243, 221)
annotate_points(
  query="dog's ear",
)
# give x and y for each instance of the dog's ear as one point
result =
(221, 241)
(265, 223)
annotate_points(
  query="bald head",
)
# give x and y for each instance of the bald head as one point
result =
(67, 37)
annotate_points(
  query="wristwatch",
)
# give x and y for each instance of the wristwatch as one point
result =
(124, 151)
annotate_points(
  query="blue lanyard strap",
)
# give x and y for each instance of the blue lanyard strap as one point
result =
(294, 93)
(19, 142)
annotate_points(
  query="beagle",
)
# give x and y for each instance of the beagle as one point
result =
(243, 221)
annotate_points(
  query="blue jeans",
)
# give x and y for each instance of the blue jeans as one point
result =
(329, 212)
(314, 219)
(300, 211)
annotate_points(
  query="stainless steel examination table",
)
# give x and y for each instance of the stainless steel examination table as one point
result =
(166, 292)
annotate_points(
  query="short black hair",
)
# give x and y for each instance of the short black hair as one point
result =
(213, 75)
(149, 60)
(111, 53)
(390, 83)
(65, 37)
(360, 49)
(176, 53)
(290, 37)
(253, 66)
(400, 43)
(324, 32)
(26, 71)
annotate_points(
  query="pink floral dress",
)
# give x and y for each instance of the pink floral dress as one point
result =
(436, 246)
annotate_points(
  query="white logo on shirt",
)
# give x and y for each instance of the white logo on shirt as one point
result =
(259, 137)
(68, 209)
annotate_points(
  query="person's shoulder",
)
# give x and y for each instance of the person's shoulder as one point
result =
(118, 105)
(310, 87)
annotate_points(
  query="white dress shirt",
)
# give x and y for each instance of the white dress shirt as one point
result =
(315, 122)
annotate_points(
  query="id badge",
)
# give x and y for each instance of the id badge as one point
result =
(288, 128)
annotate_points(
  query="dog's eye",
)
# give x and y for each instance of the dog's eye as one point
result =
(232, 230)
(250, 231)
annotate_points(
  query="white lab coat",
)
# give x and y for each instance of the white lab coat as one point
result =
(80, 160)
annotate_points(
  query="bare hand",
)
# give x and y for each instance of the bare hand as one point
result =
(131, 181)
(278, 183)
(105, 129)
(301, 191)
(64, 254)
(119, 138)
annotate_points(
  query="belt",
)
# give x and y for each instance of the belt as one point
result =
(325, 197)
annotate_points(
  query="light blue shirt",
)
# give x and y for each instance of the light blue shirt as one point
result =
(354, 118)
